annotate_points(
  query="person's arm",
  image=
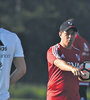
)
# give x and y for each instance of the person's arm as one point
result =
(20, 70)
(66, 67)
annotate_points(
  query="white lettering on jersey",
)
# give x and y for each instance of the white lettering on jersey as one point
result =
(86, 47)
(85, 54)
(78, 57)
(62, 56)
(74, 64)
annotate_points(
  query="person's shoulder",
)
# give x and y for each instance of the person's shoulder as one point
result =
(54, 47)
(8, 32)
(49, 49)
(75, 49)
(80, 38)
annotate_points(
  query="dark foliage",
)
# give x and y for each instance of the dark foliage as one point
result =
(37, 24)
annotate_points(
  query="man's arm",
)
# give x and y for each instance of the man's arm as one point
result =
(66, 67)
(20, 70)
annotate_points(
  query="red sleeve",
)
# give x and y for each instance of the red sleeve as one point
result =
(52, 54)
(50, 57)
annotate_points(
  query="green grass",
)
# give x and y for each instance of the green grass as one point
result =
(88, 93)
(21, 99)
(31, 92)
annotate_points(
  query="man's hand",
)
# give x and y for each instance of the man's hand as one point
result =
(76, 71)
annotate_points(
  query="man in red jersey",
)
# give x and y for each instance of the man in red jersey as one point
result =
(84, 47)
(63, 61)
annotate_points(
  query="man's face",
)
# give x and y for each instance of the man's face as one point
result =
(67, 37)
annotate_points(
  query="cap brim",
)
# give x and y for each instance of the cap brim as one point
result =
(71, 27)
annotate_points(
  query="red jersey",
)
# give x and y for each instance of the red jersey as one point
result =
(84, 47)
(62, 85)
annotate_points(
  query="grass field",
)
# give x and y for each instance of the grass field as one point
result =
(22, 99)
(31, 92)
(88, 93)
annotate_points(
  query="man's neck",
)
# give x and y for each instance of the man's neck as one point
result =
(65, 46)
